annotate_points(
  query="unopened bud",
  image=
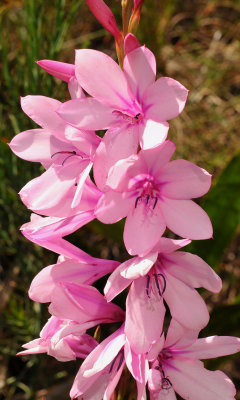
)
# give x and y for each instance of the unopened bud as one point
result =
(105, 16)
(63, 71)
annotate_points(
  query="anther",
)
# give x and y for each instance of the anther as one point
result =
(71, 154)
(63, 152)
(166, 383)
(137, 200)
(65, 159)
(157, 284)
(147, 197)
(147, 287)
(164, 283)
(136, 116)
(155, 202)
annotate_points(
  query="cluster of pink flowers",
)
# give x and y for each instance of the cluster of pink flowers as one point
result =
(133, 177)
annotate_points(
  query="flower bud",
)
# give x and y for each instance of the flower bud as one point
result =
(105, 16)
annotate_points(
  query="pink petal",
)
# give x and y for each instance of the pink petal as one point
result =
(42, 110)
(113, 383)
(130, 43)
(185, 304)
(45, 228)
(157, 157)
(112, 207)
(80, 184)
(86, 141)
(82, 384)
(184, 180)
(140, 69)
(135, 363)
(154, 381)
(93, 387)
(156, 348)
(168, 394)
(192, 381)
(126, 272)
(138, 266)
(152, 134)
(116, 283)
(144, 317)
(63, 71)
(111, 350)
(36, 346)
(122, 171)
(116, 145)
(214, 346)
(36, 145)
(51, 194)
(186, 218)
(180, 337)
(164, 99)
(192, 270)
(59, 246)
(67, 271)
(86, 113)
(75, 89)
(107, 82)
(82, 303)
(166, 245)
(141, 391)
(143, 228)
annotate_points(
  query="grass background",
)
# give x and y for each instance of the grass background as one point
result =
(195, 42)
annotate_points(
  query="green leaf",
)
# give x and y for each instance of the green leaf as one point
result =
(222, 204)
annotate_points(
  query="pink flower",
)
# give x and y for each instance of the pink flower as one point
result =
(162, 274)
(63, 339)
(67, 153)
(100, 372)
(68, 270)
(154, 193)
(130, 100)
(175, 366)
(105, 16)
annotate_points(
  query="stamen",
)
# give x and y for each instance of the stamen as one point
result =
(138, 115)
(147, 287)
(157, 284)
(63, 152)
(65, 159)
(71, 154)
(137, 200)
(155, 203)
(166, 383)
(147, 197)
(164, 283)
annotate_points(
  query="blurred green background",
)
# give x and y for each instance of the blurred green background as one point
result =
(195, 42)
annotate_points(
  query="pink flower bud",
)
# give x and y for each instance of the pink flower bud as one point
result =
(58, 69)
(104, 15)
(130, 43)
